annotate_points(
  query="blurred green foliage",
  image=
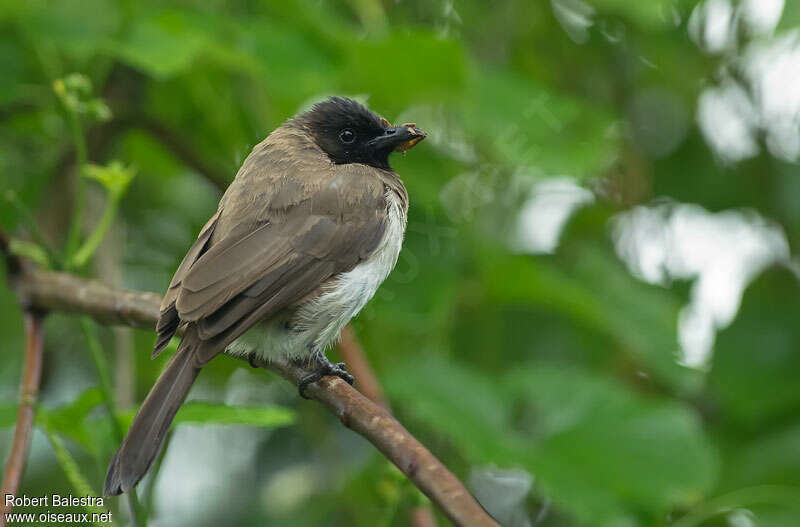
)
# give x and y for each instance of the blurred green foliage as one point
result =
(564, 365)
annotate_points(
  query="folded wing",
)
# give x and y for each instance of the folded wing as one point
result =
(228, 283)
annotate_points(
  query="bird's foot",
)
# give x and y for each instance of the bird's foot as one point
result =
(324, 368)
(252, 360)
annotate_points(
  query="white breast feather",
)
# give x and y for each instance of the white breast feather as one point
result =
(319, 322)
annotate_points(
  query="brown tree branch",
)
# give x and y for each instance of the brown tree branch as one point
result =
(422, 517)
(353, 354)
(63, 292)
(29, 391)
(373, 422)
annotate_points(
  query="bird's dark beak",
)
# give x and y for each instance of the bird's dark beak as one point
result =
(399, 138)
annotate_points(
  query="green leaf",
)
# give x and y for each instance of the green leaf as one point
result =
(203, 413)
(652, 14)
(77, 29)
(770, 505)
(216, 413)
(79, 483)
(754, 372)
(592, 288)
(604, 452)
(98, 110)
(163, 46)
(772, 458)
(71, 420)
(115, 177)
(75, 93)
(78, 83)
(66, 420)
(31, 251)
(600, 450)
(790, 19)
(404, 68)
(457, 402)
(8, 415)
(531, 126)
(278, 49)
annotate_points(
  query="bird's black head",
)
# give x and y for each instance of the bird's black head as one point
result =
(349, 133)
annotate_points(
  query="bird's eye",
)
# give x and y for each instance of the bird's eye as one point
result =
(347, 136)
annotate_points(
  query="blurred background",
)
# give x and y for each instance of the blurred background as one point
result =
(595, 318)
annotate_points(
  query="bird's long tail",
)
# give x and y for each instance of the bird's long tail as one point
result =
(149, 428)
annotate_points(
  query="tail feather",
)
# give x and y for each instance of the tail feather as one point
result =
(150, 426)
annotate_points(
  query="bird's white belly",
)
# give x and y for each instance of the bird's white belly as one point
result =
(318, 323)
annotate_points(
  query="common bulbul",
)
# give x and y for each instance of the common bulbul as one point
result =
(301, 240)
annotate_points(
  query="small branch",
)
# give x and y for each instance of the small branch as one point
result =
(64, 292)
(353, 355)
(29, 392)
(365, 417)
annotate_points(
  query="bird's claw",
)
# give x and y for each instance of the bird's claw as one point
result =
(340, 370)
(326, 368)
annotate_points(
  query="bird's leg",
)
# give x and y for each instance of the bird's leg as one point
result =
(324, 368)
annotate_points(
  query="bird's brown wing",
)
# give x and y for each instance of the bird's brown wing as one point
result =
(168, 319)
(256, 269)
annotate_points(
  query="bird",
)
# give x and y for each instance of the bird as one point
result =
(302, 238)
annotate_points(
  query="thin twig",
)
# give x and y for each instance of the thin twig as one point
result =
(64, 292)
(68, 293)
(29, 391)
